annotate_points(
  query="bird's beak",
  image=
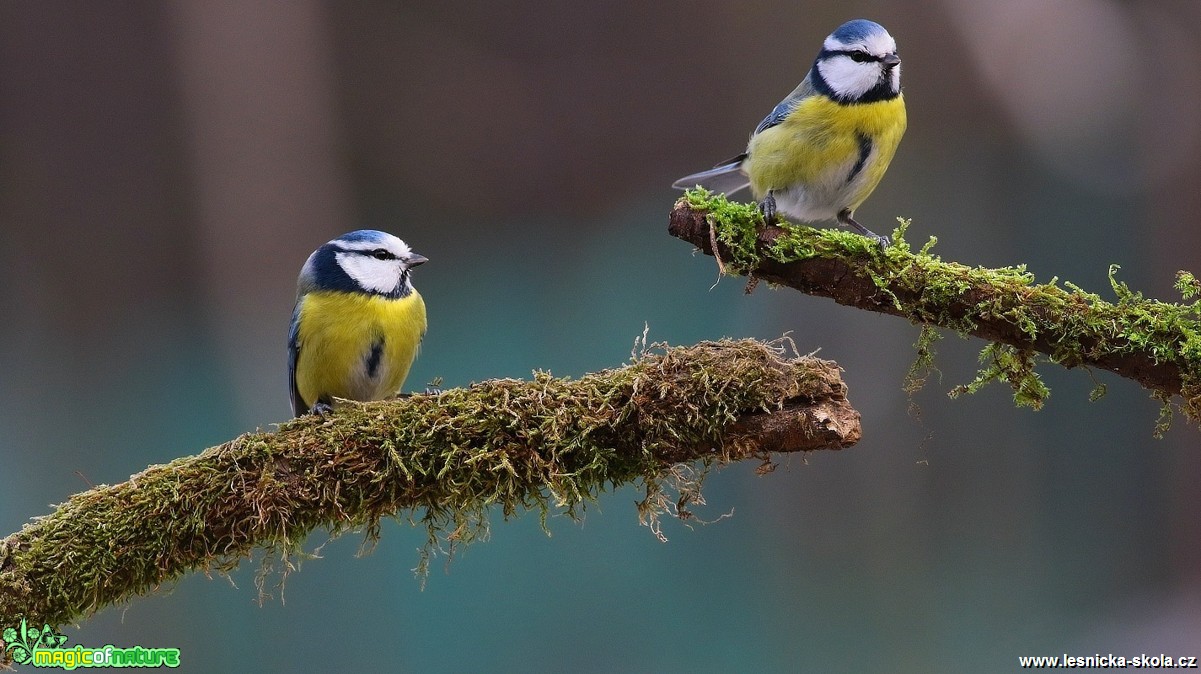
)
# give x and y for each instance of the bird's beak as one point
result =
(416, 260)
(891, 60)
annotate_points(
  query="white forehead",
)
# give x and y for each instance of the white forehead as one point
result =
(876, 43)
(375, 241)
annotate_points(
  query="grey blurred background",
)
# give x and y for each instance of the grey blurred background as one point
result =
(165, 168)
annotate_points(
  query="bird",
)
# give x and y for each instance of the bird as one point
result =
(823, 149)
(357, 323)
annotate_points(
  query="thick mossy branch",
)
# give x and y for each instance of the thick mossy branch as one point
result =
(443, 460)
(1157, 344)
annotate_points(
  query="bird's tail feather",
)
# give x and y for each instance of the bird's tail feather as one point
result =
(726, 178)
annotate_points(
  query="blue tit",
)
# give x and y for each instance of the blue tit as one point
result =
(358, 321)
(825, 147)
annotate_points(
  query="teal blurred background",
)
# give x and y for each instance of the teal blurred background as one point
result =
(165, 168)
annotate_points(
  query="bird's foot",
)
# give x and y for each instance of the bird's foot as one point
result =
(322, 409)
(434, 387)
(845, 218)
(768, 208)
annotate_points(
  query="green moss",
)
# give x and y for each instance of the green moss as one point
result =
(443, 462)
(1077, 327)
(1188, 285)
(1005, 363)
(923, 364)
(736, 224)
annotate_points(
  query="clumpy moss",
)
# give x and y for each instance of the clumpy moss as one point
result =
(923, 364)
(1006, 363)
(1056, 321)
(443, 461)
(742, 222)
(738, 227)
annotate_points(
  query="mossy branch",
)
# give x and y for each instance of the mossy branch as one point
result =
(1157, 344)
(443, 460)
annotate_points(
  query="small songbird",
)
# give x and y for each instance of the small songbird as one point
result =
(357, 323)
(825, 147)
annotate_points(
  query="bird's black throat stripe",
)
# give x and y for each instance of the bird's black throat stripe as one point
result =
(373, 358)
(865, 149)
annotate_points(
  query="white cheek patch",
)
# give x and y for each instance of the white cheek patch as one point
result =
(847, 78)
(379, 276)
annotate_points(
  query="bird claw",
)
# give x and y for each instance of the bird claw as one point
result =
(845, 218)
(768, 208)
(434, 388)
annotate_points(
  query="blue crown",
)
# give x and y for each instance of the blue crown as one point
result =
(856, 30)
(360, 235)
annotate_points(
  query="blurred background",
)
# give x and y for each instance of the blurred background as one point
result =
(165, 169)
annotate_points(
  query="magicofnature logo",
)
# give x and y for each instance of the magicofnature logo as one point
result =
(46, 648)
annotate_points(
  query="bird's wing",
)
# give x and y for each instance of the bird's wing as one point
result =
(727, 177)
(298, 405)
(785, 107)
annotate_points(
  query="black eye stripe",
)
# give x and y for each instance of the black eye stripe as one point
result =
(857, 55)
(377, 253)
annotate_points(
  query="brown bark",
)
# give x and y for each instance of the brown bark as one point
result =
(848, 281)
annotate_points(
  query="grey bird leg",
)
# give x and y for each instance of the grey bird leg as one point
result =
(768, 207)
(844, 216)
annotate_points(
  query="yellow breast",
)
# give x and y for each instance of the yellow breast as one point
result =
(818, 145)
(356, 346)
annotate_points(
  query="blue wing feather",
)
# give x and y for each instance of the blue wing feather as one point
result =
(299, 406)
(785, 107)
(728, 177)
